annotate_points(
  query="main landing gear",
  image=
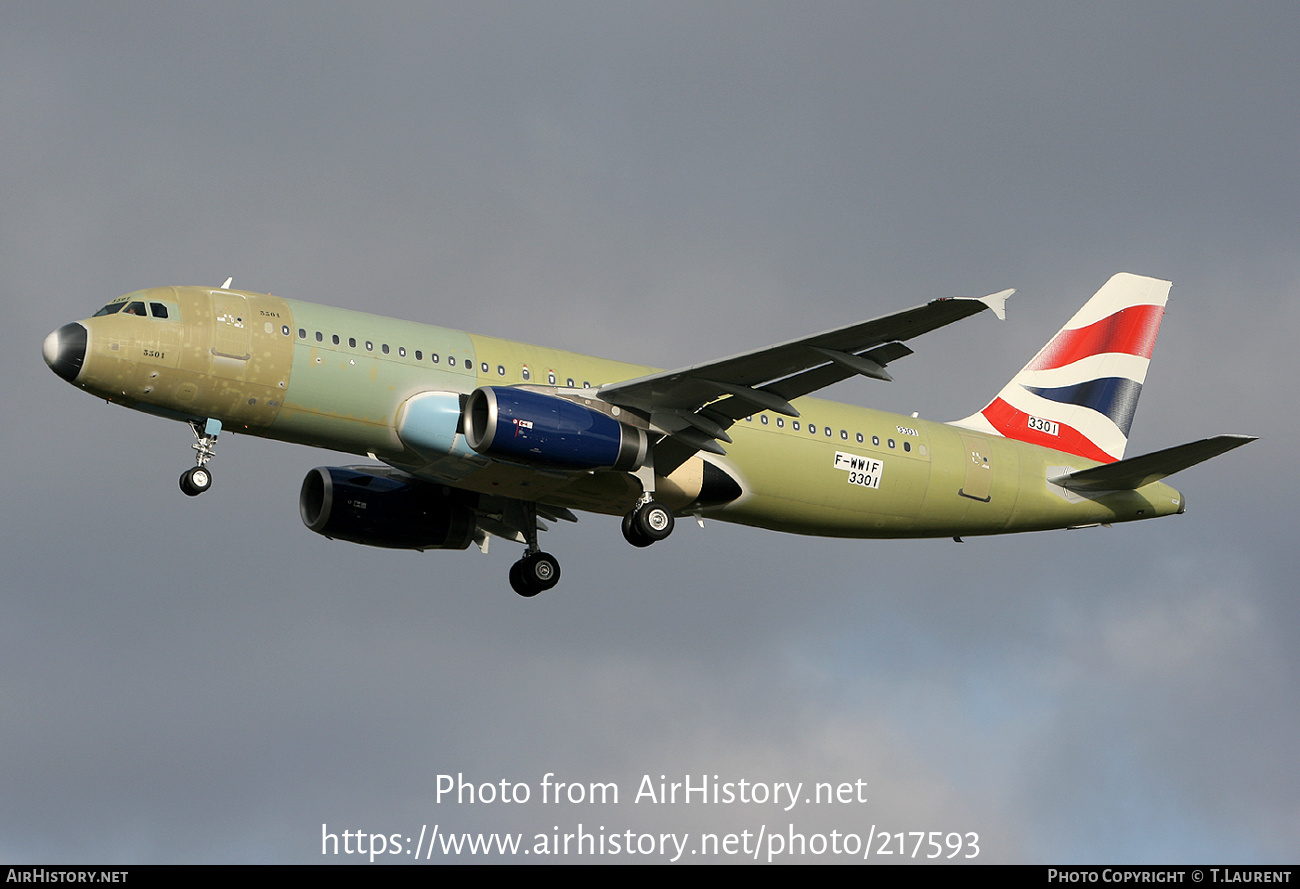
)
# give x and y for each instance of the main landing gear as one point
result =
(536, 571)
(196, 480)
(647, 523)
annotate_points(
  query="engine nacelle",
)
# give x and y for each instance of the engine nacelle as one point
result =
(543, 430)
(346, 504)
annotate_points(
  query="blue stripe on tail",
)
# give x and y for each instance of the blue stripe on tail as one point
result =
(1116, 397)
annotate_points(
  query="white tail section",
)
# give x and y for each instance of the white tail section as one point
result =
(1079, 392)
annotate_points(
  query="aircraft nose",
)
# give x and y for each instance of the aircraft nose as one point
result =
(65, 350)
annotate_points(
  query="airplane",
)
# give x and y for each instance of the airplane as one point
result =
(476, 437)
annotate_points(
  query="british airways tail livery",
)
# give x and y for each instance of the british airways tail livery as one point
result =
(475, 436)
(1078, 394)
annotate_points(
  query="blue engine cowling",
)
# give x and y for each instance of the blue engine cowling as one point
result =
(543, 430)
(375, 510)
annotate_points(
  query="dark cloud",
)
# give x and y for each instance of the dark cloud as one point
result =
(207, 681)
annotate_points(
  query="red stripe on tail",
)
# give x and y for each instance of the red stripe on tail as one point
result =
(1014, 423)
(1132, 331)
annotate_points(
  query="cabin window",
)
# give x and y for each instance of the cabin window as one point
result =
(569, 383)
(370, 347)
(284, 329)
(907, 446)
(794, 424)
(401, 350)
(485, 367)
(550, 377)
(891, 443)
(320, 337)
(859, 438)
(763, 419)
(451, 360)
(875, 440)
(780, 422)
(528, 375)
(433, 356)
(828, 432)
(352, 342)
(844, 435)
(419, 356)
(335, 339)
(302, 333)
(501, 370)
(384, 348)
(812, 430)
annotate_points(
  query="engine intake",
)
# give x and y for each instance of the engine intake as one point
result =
(544, 430)
(374, 510)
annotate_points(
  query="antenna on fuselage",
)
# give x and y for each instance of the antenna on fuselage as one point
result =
(229, 281)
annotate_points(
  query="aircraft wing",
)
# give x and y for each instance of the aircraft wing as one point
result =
(694, 406)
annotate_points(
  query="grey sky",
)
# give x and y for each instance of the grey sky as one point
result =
(206, 680)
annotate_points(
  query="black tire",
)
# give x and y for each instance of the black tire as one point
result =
(654, 521)
(539, 570)
(631, 533)
(517, 581)
(196, 480)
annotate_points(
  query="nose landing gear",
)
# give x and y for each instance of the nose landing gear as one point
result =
(198, 479)
(195, 481)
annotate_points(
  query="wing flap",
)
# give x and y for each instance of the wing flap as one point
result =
(695, 405)
(694, 386)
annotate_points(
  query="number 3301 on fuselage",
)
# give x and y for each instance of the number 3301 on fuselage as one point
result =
(476, 436)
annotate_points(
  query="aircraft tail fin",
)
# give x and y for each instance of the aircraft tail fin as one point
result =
(1078, 394)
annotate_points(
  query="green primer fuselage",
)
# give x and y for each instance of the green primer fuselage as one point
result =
(338, 379)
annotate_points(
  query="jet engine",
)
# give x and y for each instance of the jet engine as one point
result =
(544, 430)
(376, 510)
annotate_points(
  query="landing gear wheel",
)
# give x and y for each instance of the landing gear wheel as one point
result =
(631, 533)
(196, 480)
(517, 582)
(654, 521)
(534, 573)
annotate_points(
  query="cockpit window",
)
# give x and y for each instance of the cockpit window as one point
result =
(139, 307)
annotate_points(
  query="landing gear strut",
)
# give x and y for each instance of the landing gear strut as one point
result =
(536, 571)
(648, 522)
(198, 479)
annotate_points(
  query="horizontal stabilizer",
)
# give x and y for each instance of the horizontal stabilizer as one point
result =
(1126, 475)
